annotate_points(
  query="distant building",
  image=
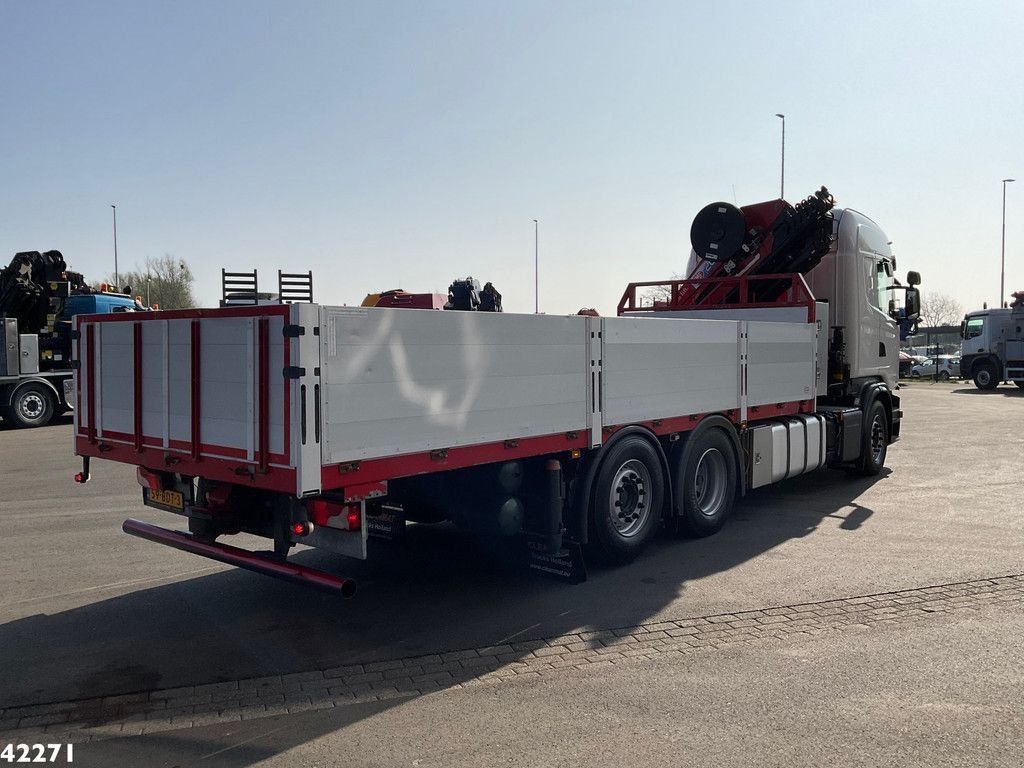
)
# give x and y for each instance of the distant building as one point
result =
(946, 337)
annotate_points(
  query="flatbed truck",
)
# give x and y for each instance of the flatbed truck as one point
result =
(578, 436)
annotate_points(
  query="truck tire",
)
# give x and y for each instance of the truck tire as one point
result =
(33, 405)
(705, 483)
(985, 376)
(874, 441)
(626, 507)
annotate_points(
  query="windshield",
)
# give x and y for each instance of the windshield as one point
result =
(975, 326)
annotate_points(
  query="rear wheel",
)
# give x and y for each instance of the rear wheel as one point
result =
(33, 405)
(628, 495)
(943, 375)
(875, 441)
(705, 483)
(985, 376)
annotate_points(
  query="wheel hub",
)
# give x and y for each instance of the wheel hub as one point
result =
(629, 498)
(31, 406)
(710, 481)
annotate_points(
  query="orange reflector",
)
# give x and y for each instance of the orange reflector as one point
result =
(575, 453)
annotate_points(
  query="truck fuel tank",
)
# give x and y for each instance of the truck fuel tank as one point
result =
(786, 448)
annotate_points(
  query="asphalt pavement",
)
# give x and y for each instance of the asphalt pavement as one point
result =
(86, 611)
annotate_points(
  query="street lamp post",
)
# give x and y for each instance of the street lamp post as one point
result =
(782, 185)
(117, 279)
(536, 267)
(1002, 257)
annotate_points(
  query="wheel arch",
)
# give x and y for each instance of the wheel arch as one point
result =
(7, 397)
(583, 494)
(987, 357)
(877, 390)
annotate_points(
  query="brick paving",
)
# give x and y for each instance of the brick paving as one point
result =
(175, 708)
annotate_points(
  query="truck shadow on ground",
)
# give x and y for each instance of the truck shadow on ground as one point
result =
(435, 592)
(1010, 391)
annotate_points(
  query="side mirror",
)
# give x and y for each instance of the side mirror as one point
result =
(913, 278)
(912, 301)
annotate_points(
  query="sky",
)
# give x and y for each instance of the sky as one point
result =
(405, 144)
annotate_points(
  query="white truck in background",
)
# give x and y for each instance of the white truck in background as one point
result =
(322, 426)
(992, 345)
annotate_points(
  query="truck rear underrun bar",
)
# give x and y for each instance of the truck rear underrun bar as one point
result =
(225, 553)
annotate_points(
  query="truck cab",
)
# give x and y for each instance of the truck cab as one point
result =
(97, 304)
(856, 279)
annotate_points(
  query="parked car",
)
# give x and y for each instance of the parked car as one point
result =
(908, 361)
(949, 367)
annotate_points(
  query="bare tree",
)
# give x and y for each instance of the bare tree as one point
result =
(940, 309)
(165, 281)
(658, 292)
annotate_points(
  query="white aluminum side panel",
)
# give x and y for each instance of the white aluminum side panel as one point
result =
(114, 390)
(179, 380)
(780, 362)
(229, 361)
(227, 384)
(398, 381)
(659, 368)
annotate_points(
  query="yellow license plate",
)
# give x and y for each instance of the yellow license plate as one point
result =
(166, 499)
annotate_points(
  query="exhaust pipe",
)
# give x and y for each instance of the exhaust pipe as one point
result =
(242, 558)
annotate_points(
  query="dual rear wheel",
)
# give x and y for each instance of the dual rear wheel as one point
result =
(628, 501)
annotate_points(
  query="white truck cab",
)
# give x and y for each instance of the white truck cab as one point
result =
(856, 279)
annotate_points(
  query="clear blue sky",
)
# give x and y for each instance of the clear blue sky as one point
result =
(404, 144)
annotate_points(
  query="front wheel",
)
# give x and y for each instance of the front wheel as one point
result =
(985, 376)
(628, 495)
(33, 405)
(875, 441)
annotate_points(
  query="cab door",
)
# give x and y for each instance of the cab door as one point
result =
(878, 349)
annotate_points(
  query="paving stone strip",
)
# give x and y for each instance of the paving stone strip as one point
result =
(174, 708)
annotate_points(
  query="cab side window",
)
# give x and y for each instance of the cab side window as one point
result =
(975, 327)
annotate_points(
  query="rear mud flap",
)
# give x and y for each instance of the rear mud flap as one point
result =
(567, 565)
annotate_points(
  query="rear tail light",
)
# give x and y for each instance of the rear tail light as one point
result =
(302, 529)
(148, 479)
(322, 510)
